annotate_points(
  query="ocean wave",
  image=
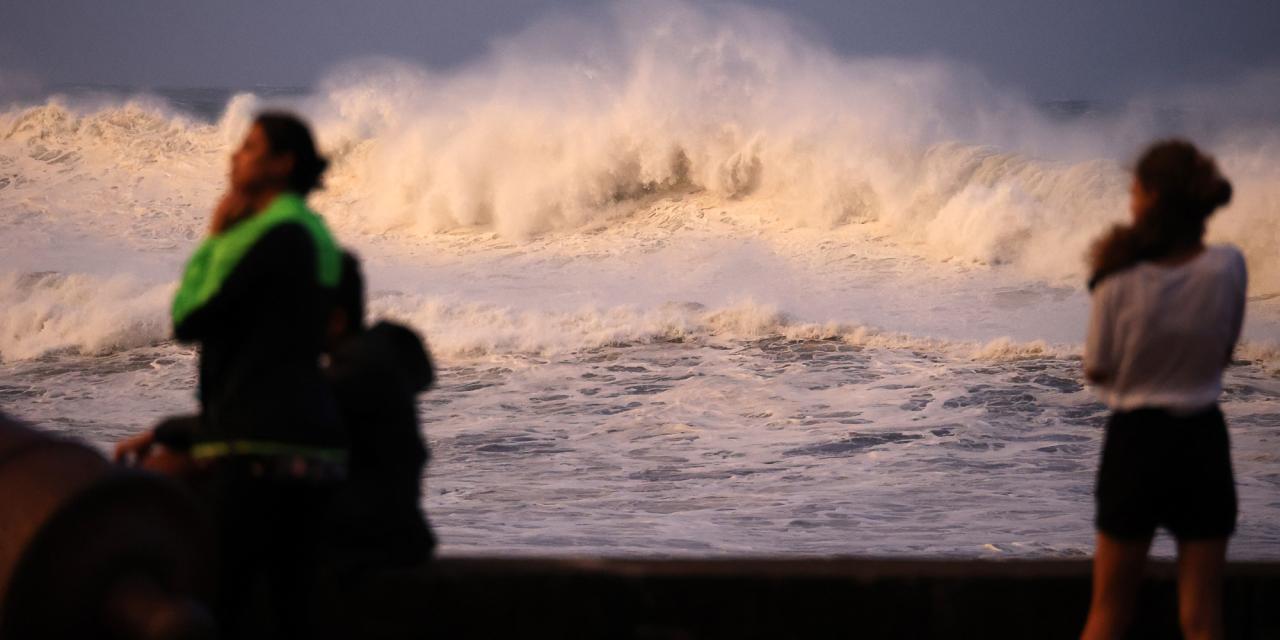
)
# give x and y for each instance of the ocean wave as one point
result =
(48, 312)
(470, 330)
(578, 124)
(51, 312)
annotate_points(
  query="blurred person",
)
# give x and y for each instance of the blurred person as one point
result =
(268, 447)
(377, 373)
(1167, 312)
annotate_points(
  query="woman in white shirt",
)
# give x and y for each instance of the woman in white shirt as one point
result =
(1167, 312)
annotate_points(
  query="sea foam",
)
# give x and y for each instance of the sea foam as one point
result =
(578, 124)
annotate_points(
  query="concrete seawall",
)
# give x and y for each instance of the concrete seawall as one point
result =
(779, 598)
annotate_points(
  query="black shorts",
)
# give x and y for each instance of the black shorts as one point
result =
(1162, 470)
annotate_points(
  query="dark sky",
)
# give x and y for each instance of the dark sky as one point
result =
(1107, 49)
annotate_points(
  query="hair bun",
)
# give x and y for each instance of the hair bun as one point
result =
(1221, 192)
(1207, 184)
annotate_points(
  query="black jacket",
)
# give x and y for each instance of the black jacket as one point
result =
(260, 340)
(377, 376)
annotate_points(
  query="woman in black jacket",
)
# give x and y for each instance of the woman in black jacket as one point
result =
(268, 447)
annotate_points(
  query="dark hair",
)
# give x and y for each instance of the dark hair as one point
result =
(349, 297)
(1186, 188)
(286, 133)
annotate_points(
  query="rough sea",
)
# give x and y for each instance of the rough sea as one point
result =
(695, 287)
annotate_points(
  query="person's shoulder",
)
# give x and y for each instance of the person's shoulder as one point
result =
(1229, 254)
(1108, 287)
(1227, 258)
(283, 235)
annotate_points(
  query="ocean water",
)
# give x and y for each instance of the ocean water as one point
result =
(696, 284)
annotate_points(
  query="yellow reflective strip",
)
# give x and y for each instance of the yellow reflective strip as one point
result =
(210, 450)
(261, 448)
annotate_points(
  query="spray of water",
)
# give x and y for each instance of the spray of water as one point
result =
(584, 123)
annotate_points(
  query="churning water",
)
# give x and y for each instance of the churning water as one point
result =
(697, 285)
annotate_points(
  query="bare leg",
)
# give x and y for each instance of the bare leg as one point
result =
(1200, 568)
(1117, 574)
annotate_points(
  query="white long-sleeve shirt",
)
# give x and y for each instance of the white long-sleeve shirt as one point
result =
(1161, 336)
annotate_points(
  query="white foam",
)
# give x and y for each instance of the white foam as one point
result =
(48, 312)
(541, 138)
(665, 256)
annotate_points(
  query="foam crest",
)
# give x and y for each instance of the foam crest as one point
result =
(48, 312)
(541, 138)
(137, 131)
(469, 330)
(576, 124)
(42, 313)
(130, 172)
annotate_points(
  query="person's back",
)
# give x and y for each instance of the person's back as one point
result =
(377, 374)
(1167, 311)
(1165, 332)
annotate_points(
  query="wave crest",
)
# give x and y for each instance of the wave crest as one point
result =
(577, 123)
(42, 313)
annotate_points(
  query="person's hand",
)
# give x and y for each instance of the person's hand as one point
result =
(134, 449)
(233, 208)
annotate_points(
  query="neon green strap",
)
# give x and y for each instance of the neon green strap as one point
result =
(223, 448)
(217, 257)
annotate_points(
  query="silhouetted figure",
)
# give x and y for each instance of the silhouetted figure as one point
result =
(268, 448)
(377, 373)
(1167, 312)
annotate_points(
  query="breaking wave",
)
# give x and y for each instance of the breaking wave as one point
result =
(42, 313)
(582, 125)
(577, 123)
(50, 313)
